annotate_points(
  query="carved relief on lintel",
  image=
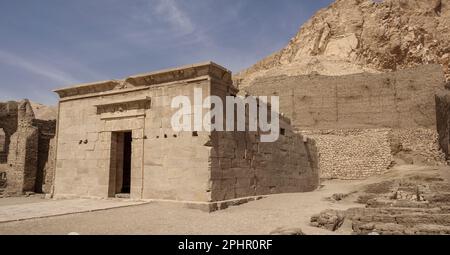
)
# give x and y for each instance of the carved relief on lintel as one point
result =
(124, 106)
(124, 84)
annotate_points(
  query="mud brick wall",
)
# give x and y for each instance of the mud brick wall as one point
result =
(403, 99)
(352, 154)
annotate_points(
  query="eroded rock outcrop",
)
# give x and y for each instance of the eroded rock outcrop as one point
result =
(354, 36)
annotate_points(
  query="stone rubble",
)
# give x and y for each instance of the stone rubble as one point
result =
(406, 206)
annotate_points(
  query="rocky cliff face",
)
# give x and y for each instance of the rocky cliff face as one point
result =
(353, 36)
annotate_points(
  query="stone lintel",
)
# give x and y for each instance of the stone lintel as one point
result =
(121, 106)
(150, 79)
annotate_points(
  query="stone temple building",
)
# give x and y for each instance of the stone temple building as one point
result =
(114, 138)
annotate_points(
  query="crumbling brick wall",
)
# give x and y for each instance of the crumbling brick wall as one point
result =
(362, 153)
(352, 154)
(46, 160)
(417, 146)
(26, 161)
(402, 99)
(23, 153)
(8, 122)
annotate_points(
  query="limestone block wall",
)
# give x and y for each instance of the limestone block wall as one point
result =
(352, 154)
(176, 165)
(48, 170)
(402, 99)
(165, 164)
(243, 166)
(185, 165)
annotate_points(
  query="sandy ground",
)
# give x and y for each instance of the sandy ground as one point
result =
(22, 200)
(258, 217)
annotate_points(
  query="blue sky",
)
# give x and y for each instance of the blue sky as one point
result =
(48, 44)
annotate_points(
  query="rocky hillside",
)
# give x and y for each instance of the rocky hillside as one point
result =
(353, 36)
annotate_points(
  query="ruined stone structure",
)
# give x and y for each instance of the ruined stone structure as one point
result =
(24, 153)
(8, 123)
(344, 114)
(352, 154)
(116, 137)
(403, 99)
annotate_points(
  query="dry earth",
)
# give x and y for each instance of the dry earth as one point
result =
(260, 217)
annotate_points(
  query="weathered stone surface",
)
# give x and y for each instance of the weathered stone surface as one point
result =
(25, 146)
(287, 231)
(352, 154)
(328, 219)
(2, 140)
(443, 120)
(402, 99)
(8, 122)
(23, 152)
(186, 166)
(353, 36)
(391, 214)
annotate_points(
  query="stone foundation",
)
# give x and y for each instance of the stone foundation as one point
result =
(352, 154)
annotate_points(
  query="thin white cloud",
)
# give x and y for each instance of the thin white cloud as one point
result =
(162, 23)
(37, 68)
(177, 18)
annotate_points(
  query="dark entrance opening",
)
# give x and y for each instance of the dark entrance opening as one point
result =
(120, 167)
(126, 176)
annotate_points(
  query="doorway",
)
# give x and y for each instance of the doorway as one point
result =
(120, 172)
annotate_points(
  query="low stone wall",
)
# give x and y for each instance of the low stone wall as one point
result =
(361, 153)
(417, 146)
(352, 154)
